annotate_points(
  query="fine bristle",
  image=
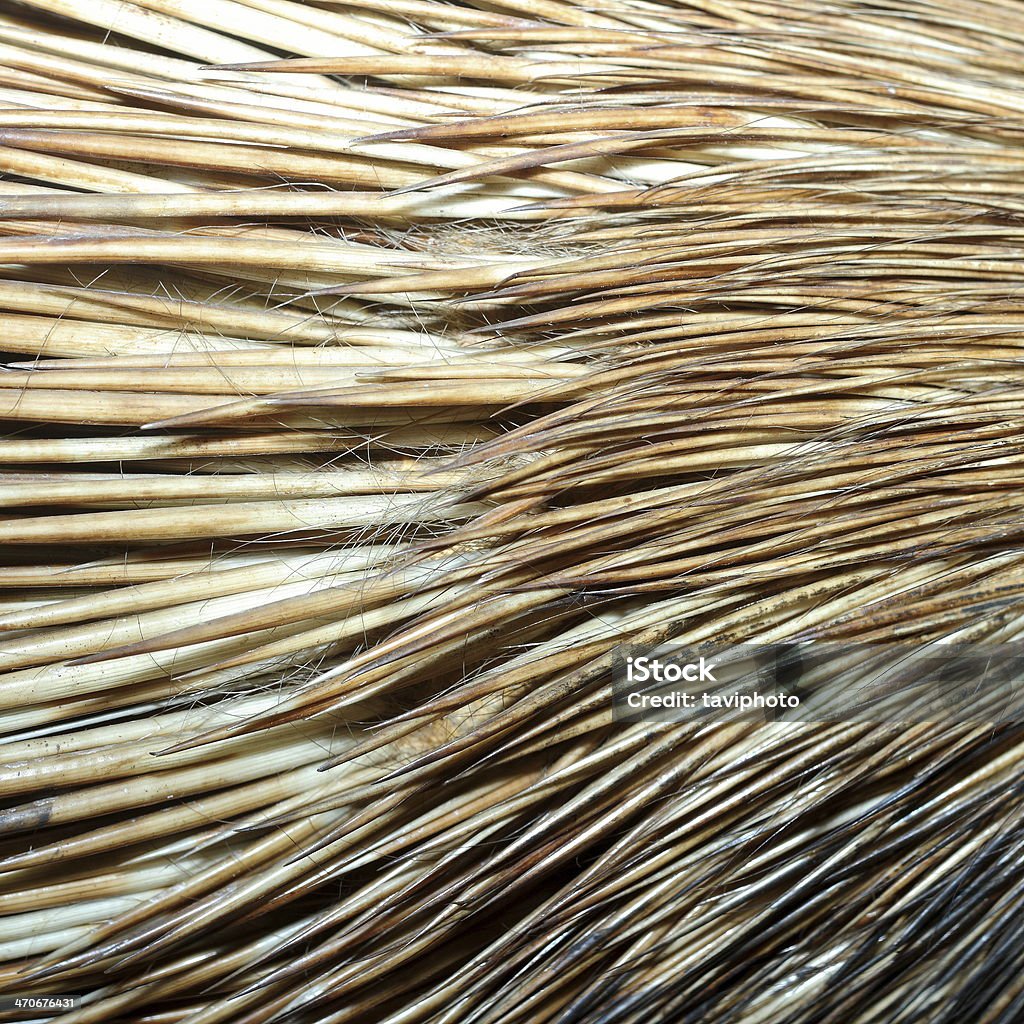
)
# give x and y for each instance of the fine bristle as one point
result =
(374, 371)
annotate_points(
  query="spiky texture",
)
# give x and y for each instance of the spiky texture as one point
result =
(359, 407)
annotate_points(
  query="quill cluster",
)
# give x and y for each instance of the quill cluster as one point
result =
(374, 370)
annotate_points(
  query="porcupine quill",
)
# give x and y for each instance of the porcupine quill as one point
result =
(374, 372)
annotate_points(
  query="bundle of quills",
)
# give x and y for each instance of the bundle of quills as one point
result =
(374, 370)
